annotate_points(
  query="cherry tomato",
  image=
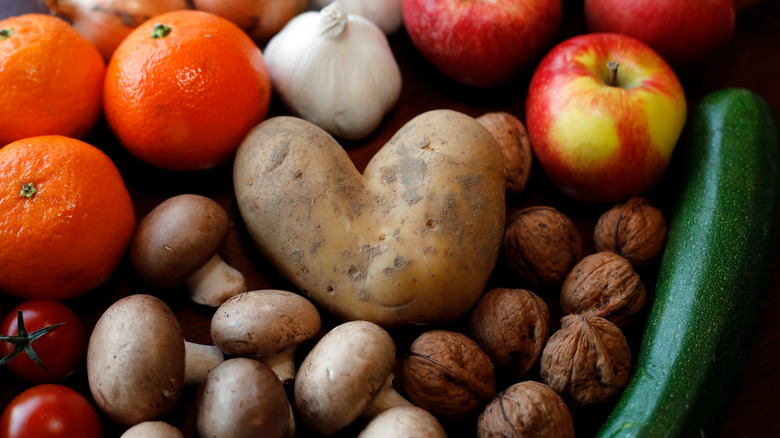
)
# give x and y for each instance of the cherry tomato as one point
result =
(60, 350)
(50, 411)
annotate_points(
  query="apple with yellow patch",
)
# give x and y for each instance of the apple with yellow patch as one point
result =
(604, 113)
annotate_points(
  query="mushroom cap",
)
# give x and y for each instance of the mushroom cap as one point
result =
(135, 360)
(177, 238)
(342, 374)
(263, 322)
(152, 429)
(242, 397)
(404, 421)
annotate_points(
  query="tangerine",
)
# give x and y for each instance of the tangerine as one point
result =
(184, 88)
(51, 76)
(66, 217)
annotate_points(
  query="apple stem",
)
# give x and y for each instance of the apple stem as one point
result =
(613, 71)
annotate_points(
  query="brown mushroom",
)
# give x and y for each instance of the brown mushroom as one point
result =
(403, 421)
(152, 429)
(177, 243)
(347, 374)
(242, 397)
(267, 325)
(135, 360)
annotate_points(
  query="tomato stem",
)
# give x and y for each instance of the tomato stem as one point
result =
(160, 31)
(28, 190)
(23, 341)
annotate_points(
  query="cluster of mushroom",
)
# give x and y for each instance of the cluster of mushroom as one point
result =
(138, 363)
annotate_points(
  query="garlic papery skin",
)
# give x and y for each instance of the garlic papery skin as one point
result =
(385, 13)
(335, 70)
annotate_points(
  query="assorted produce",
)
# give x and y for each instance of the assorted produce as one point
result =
(426, 294)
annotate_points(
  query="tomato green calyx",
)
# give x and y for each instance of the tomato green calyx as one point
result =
(160, 31)
(5, 33)
(28, 190)
(23, 341)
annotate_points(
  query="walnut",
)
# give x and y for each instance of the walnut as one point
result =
(541, 245)
(511, 326)
(586, 361)
(448, 374)
(603, 284)
(512, 139)
(526, 409)
(636, 230)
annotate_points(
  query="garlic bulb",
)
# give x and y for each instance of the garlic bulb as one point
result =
(335, 70)
(385, 13)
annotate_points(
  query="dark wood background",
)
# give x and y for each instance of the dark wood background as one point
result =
(752, 60)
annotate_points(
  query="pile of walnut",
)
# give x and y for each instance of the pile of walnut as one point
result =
(587, 359)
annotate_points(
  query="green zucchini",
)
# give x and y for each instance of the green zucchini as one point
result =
(713, 275)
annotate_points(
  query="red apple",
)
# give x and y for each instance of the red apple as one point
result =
(684, 32)
(602, 138)
(478, 42)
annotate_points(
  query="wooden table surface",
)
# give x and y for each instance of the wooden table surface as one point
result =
(752, 60)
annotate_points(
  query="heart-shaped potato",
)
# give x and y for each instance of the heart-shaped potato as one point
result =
(411, 240)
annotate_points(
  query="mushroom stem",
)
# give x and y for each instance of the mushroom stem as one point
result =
(283, 364)
(199, 360)
(215, 282)
(291, 430)
(386, 398)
